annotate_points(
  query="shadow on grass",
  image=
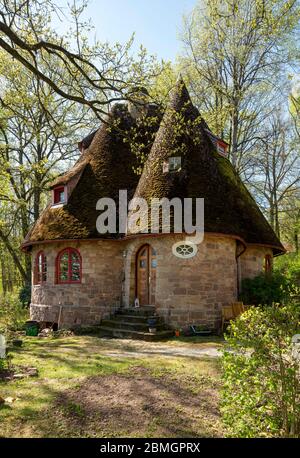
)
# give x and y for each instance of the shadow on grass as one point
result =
(81, 393)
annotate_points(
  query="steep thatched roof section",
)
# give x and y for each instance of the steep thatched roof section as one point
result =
(114, 151)
(228, 206)
(107, 166)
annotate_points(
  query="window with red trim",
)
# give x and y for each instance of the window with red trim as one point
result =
(59, 195)
(68, 266)
(268, 264)
(222, 148)
(40, 270)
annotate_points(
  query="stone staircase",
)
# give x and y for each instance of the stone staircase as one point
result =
(132, 323)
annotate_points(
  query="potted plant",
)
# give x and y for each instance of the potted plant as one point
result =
(200, 330)
(152, 322)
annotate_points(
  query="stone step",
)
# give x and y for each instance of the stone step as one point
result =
(134, 326)
(127, 334)
(136, 318)
(144, 311)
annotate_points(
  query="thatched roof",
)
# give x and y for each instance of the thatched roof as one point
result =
(107, 166)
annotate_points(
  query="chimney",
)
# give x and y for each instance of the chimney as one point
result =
(138, 102)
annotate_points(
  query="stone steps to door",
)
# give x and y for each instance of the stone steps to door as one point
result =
(145, 310)
(130, 325)
(133, 323)
(127, 334)
(136, 318)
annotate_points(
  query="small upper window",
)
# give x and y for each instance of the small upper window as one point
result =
(222, 148)
(40, 270)
(173, 164)
(59, 195)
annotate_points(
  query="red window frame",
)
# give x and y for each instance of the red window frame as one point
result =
(222, 148)
(40, 275)
(69, 280)
(56, 195)
(268, 264)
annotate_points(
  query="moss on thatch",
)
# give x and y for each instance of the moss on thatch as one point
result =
(118, 149)
(228, 206)
(104, 168)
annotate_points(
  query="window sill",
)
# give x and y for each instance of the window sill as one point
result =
(59, 205)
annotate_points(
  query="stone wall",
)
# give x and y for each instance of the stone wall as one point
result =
(252, 261)
(88, 302)
(187, 290)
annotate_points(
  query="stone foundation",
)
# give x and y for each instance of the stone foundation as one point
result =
(69, 315)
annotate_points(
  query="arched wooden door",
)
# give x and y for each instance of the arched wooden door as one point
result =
(146, 275)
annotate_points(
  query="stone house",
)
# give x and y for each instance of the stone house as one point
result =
(80, 276)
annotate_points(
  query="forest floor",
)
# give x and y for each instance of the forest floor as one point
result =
(95, 387)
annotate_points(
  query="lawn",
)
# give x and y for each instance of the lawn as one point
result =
(94, 387)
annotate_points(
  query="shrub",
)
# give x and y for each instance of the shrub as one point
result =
(25, 295)
(260, 396)
(12, 314)
(289, 266)
(3, 364)
(266, 289)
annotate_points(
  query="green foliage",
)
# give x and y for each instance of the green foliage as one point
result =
(25, 295)
(260, 396)
(12, 314)
(289, 265)
(3, 364)
(266, 289)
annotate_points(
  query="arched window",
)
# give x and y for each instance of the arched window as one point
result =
(268, 264)
(68, 266)
(40, 268)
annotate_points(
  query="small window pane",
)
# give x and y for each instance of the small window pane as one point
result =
(75, 275)
(174, 163)
(74, 256)
(40, 268)
(153, 263)
(142, 263)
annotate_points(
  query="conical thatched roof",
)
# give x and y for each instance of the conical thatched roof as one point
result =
(107, 166)
(228, 206)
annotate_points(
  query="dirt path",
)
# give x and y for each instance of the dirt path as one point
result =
(140, 405)
(135, 349)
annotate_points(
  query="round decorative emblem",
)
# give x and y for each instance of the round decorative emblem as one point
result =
(185, 249)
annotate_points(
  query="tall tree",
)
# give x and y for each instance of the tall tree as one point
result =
(235, 53)
(274, 174)
(97, 74)
(39, 132)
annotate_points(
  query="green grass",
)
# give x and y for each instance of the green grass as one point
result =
(68, 364)
(207, 341)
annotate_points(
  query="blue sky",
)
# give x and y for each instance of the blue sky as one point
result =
(155, 22)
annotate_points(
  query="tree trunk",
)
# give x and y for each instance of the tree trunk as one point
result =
(16, 257)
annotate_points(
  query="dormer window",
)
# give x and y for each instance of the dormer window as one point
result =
(173, 164)
(59, 195)
(222, 148)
